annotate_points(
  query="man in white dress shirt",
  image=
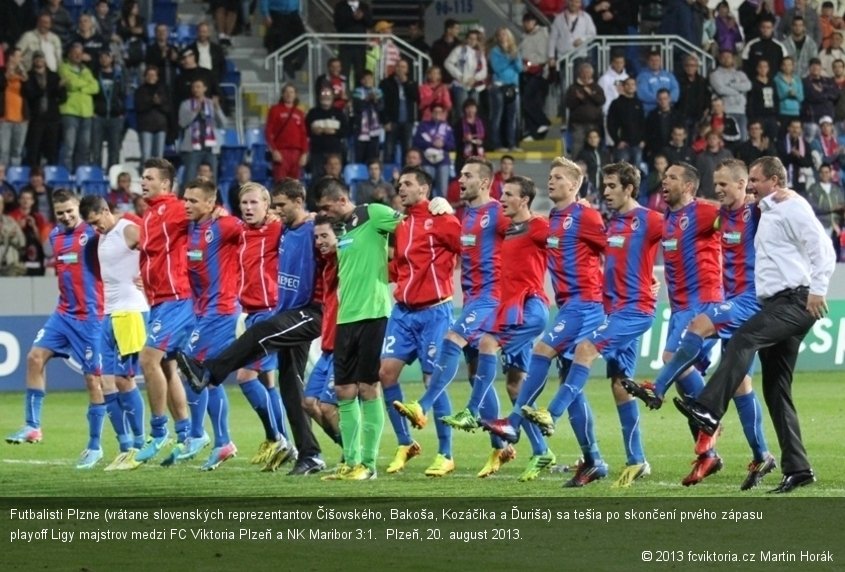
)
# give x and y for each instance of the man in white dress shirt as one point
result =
(795, 262)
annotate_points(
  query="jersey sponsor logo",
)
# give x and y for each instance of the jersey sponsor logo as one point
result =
(209, 236)
(466, 240)
(616, 241)
(635, 224)
(69, 258)
(553, 242)
(734, 237)
(485, 221)
(83, 239)
(195, 255)
(684, 222)
(670, 244)
(567, 222)
(288, 282)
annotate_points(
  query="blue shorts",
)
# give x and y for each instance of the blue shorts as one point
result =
(416, 334)
(680, 321)
(732, 313)
(111, 362)
(171, 324)
(617, 340)
(320, 384)
(477, 317)
(574, 322)
(517, 340)
(68, 337)
(211, 335)
(269, 362)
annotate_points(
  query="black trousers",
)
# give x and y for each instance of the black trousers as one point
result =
(775, 332)
(534, 90)
(289, 333)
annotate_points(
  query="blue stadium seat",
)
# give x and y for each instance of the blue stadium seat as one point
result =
(151, 31)
(184, 34)
(254, 137)
(165, 12)
(354, 172)
(92, 181)
(232, 154)
(57, 176)
(18, 176)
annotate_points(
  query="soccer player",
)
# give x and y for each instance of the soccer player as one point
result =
(523, 313)
(575, 245)
(73, 330)
(423, 262)
(483, 229)
(633, 236)
(258, 294)
(737, 221)
(289, 331)
(124, 325)
(164, 271)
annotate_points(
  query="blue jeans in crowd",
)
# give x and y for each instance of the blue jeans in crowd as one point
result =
(76, 141)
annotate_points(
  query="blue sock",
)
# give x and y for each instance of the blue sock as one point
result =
(691, 384)
(751, 417)
(197, 405)
(96, 417)
(158, 425)
(132, 405)
(397, 421)
(32, 407)
(535, 381)
(218, 410)
(118, 421)
(441, 408)
(581, 420)
(575, 381)
(683, 358)
(484, 378)
(490, 410)
(183, 427)
(259, 399)
(278, 410)
(444, 373)
(629, 417)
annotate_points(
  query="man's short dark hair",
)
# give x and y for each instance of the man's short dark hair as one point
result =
(208, 188)
(330, 188)
(485, 167)
(165, 168)
(92, 204)
(323, 219)
(690, 175)
(450, 22)
(290, 188)
(527, 188)
(419, 174)
(771, 167)
(61, 195)
(627, 174)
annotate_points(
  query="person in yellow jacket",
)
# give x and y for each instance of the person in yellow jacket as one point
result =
(78, 109)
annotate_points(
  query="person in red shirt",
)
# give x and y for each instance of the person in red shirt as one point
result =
(504, 173)
(286, 136)
(422, 267)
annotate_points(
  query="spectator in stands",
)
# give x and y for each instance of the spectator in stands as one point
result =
(333, 167)
(443, 46)
(763, 103)
(44, 41)
(612, 17)
(413, 158)
(467, 65)
(678, 150)
(62, 22)
(382, 54)
(505, 67)
(828, 201)
(695, 94)
(139, 205)
(790, 91)
(105, 20)
(757, 145)
(651, 14)
(225, 18)
(78, 110)
(163, 55)
(190, 73)
(584, 100)
(595, 156)
(327, 129)
(12, 242)
(763, 47)
(286, 135)
(43, 194)
(43, 92)
(153, 108)
(796, 155)
(832, 53)
(436, 140)
(132, 29)
(707, 161)
(375, 189)
(120, 198)
(751, 13)
(283, 20)
(205, 172)
(433, 92)
(801, 47)
(367, 104)
(826, 149)
(243, 175)
(650, 81)
(199, 118)
(727, 34)
(660, 120)
(535, 86)
(626, 127)
(109, 112)
(334, 80)
(353, 17)
(718, 121)
(416, 37)
(653, 195)
(14, 111)
(829, 22)
(570, 29)
(401, 95)
(505, 172)
(469, 133)
(92, 42)
(29, 217)
(210, 55)
(731, 85)
(612, 81)
(17, 18)
(801, 9)
(820, 95)
(685, 19)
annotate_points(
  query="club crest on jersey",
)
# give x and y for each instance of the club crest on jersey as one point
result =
(567, 222)
(684, 222)
(428, 224)
(635, 224)
(485, 221)
(746, 215)
(354, 222)
(209, 236)
(83, 239)
(160, 210)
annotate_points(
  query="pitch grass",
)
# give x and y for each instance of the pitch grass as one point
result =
(47, 469)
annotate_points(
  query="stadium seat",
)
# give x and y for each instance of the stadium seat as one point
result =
(354, 172)
(232, 154)
(151, 31)
(254, 137)
(18, 176)
(92, 181)
(165, 12)
(184, 34)
(57, 176)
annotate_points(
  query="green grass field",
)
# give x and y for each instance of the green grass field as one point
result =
(46, 469)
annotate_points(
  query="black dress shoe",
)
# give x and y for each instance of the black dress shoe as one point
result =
(698, 416)
(794, 480)
(196, 376)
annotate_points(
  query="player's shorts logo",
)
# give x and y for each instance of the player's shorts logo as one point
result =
(39, 335)
(635, 224)
(470, 318)
(567, 222)
(209, 236)
(559, 327)
(428, 224)
(89, 354)
(83, 239)
(156, 327)
(195, 337)
(432, 350)
(746, 215)
(726, 306)
(684, 222)
(485, 221)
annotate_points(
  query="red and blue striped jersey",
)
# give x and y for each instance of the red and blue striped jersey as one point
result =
(213, 265)
(738, 229)
(692, 255)
(78, 271)
(632, 241)
(482, 231)
(576, 243)
(523, 268)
